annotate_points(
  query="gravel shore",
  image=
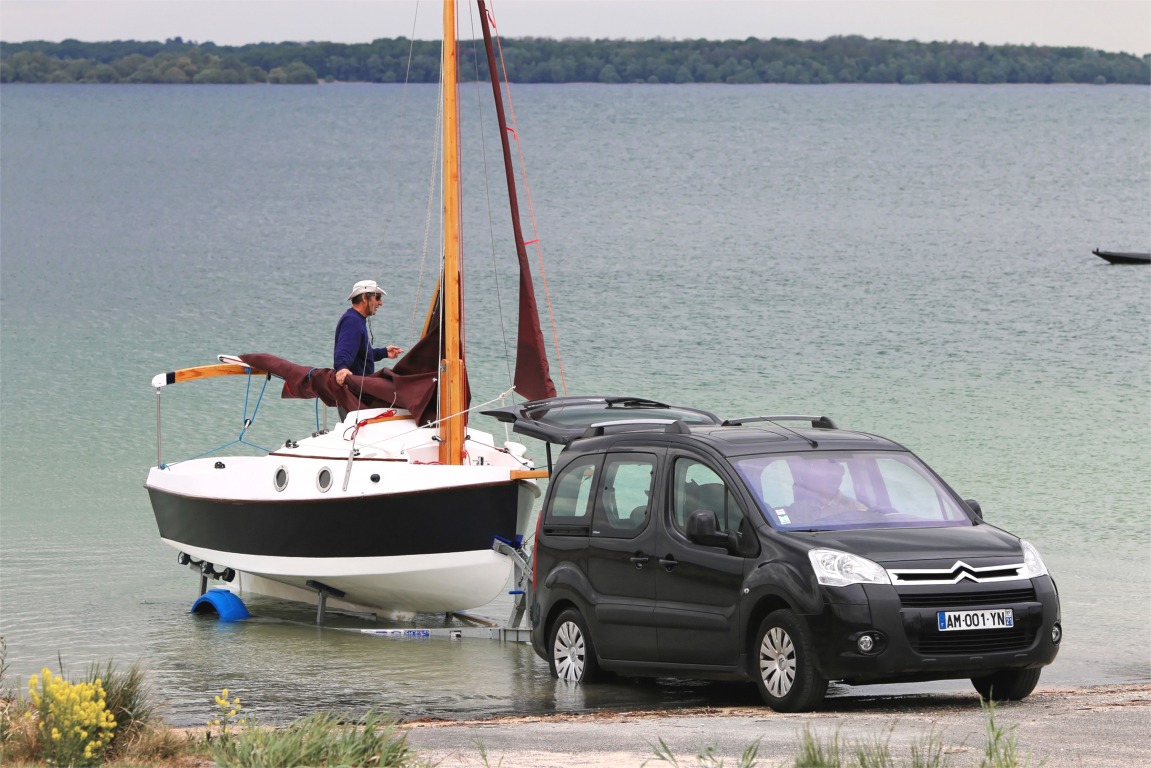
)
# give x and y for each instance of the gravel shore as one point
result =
(1093, 726)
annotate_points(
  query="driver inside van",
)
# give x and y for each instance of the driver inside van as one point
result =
(817, 494)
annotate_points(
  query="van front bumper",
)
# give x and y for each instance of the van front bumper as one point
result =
(878, 633)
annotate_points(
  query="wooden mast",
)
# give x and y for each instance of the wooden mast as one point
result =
(453, 422)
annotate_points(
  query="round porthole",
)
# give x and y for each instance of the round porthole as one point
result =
(324, 479)
(281, 478)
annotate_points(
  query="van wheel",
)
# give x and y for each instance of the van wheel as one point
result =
(572, 656)
(785, 672)
(1007, 684)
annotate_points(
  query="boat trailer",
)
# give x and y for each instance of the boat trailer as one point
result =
(226, 605)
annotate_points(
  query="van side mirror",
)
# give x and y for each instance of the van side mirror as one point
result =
(974, 506)
(703, 528)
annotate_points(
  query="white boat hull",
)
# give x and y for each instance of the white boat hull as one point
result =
(442, 582)
(403, 535)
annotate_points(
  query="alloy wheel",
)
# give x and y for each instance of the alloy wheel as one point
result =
(777, 662)
(569, 652)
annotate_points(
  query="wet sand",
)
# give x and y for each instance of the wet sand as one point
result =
(1090, 726)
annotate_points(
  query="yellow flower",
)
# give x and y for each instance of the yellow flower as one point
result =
(73, 717)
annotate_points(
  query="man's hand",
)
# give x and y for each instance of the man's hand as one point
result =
(341, 375)
(394, 351)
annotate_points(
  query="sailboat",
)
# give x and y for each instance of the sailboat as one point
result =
(403, 507)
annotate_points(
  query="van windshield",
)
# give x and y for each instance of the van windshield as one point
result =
(833, 491)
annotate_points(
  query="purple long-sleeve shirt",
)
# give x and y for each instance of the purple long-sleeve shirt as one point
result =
(353, 349)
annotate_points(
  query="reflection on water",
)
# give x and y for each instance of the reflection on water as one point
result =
(282, 666)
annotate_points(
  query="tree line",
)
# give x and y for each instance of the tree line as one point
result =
(842, 59)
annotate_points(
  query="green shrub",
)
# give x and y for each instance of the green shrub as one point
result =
(127, 699)
(323, 739)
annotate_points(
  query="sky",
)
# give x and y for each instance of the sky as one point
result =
(1109, 25)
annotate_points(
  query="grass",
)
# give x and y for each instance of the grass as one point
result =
(373, 739)
(319, 739)
(706, 757)
(1001, 751)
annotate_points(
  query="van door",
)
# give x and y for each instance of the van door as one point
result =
(621, 563)
(698, 587)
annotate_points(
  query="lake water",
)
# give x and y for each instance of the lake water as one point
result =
(913, 261)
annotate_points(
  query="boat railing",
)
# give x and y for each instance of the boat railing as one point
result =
(229, 367)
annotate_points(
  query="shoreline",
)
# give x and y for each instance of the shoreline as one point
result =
(1094, 726)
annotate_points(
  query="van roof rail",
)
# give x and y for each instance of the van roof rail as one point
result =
(817, 422)
(671, 426)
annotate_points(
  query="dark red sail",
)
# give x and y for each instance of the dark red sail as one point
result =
(533, 376)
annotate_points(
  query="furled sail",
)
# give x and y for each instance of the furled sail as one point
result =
(533, 377)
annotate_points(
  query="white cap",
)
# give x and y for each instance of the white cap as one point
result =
(365, 286)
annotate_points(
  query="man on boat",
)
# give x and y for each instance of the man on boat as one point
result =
(354, 353)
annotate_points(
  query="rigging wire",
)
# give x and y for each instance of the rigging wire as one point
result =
(247, 423)
(390, 191)
(417, 325)
(502, 397)
(437, 160)
(383, 231)
(401, 120)
(488, 200)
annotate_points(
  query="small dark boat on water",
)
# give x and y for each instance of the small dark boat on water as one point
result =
(1116, 257)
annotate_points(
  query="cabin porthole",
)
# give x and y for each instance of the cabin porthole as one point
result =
(280, 479)
(324, 479)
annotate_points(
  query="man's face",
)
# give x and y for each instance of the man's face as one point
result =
(373, 302)
(821, 477)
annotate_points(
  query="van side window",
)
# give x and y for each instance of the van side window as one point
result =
(575, 487)
(697, 486)
(623, 507)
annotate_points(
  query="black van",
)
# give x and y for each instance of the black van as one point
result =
(776, 549)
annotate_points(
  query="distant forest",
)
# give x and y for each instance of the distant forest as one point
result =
(849, 59)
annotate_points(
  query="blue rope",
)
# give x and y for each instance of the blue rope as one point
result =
(219, 448)
(247, 423)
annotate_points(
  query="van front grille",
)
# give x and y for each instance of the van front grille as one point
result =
(974, 642)
(950, 600)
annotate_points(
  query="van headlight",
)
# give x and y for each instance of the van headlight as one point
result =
(838, 569)
(1032, 562)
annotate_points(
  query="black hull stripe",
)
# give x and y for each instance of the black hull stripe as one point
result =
(441, 520)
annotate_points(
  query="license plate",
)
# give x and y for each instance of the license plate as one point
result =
(997, 619)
